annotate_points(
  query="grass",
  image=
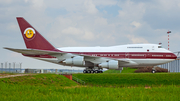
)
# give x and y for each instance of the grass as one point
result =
(57, 87)
(128, 80)
(7, 73)
(40, 80)
(125, 70)
(29, 93)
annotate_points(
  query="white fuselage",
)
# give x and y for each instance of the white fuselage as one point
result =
(133, 55)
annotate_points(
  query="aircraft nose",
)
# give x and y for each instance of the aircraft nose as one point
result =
(174, 56)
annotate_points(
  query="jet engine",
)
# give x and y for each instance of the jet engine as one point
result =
(76, 61)
(112, 64)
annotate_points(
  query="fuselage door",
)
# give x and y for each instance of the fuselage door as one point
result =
(127, 55)
(152, 47)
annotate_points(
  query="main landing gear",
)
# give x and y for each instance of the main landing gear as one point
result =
(87, 70)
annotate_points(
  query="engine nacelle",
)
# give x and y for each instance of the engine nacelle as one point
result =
(112, 64)
(76, 61)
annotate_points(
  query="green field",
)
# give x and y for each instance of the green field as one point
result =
(125, 70)
(128, 80)
(39, 80)
(27, 92)
(57, 87)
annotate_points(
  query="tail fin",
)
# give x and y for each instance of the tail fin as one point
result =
(32, 38)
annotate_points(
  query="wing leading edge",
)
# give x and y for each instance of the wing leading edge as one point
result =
(33, 51)
(56, 54)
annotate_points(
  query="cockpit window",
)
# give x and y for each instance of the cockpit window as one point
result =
(159, 46)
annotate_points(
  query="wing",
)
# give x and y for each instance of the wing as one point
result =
(32, 51)
(91, 58)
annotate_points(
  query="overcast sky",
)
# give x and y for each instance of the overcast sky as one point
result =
(67, 23)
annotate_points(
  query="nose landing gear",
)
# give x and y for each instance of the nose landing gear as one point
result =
(153, 71)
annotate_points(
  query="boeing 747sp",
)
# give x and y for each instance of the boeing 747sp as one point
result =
(93, 59)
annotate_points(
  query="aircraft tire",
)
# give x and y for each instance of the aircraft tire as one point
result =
(92, 71)
(96, 71)
(153, 71)
(88, 71)
(84, 71)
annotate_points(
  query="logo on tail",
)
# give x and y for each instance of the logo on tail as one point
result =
(29, 33)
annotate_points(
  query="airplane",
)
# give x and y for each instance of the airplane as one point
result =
(93, 59)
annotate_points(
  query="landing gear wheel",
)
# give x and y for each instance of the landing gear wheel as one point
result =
(92, 71)
(101, 72)
(96, 71)
(153, 71)
(84, 71)
(88, 71)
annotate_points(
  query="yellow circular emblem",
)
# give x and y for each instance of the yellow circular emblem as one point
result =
(29, 33)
